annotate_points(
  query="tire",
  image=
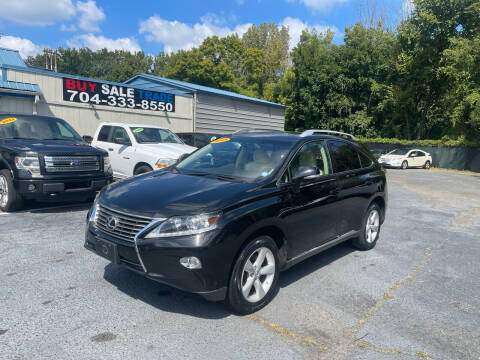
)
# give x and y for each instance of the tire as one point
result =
(251, 279)
(10, 199)
(427, 165)
(369, 236)
(404, 164)
(142, 169)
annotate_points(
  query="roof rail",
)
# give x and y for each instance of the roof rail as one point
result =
(251, 130)
(327, 132)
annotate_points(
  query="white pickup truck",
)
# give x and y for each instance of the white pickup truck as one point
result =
(135, 149)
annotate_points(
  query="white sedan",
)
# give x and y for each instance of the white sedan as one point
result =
(405, 158)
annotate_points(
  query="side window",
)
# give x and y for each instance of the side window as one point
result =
(120, 133)
(311, 154)
(344, 156)
(420, 153)
(365, 160)
(104, 132)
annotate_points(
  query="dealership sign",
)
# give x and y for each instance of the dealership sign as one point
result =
(90, 92)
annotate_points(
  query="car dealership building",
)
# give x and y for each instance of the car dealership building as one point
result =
(144, 99)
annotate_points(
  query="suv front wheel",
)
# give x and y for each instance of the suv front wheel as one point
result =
(10, 200)
(254, 278)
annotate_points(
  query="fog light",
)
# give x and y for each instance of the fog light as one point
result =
(31, 187)
(191, 262)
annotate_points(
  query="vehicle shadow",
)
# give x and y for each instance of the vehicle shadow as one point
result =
(54, 207)
(314, 263)
(166, 298)
(162, 297)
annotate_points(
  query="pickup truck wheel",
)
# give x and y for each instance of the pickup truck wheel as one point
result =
(142, 169)
(10, 200)
(254, 278)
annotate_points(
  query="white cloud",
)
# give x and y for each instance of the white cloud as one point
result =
(24, 46)
(37, 12)
(296, 26)
(94, 42)
(319, 5)
(90, 16)
(71, 27)
(175, 35)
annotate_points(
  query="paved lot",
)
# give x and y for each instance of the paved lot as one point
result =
(416, 295)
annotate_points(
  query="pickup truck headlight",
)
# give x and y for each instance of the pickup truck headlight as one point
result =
(184, 225)
(107, 167)
(163, 163)
(28, 162)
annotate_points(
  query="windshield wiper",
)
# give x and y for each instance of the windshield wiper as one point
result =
(225, 177)
(20, 138)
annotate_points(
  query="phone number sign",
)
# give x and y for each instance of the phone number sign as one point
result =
(90, 92)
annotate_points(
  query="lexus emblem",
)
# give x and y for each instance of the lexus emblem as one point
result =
(112, 222)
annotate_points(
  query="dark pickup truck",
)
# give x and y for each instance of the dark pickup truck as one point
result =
(45, 159)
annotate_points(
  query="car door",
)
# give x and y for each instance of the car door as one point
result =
(312, 209)
(355, 185)
(120, 152)
(412, 158)
(420, 159)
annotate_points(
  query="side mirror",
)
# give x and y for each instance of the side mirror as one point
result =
(182, 157)
(87, 138)
(303, 171)
(122, 141)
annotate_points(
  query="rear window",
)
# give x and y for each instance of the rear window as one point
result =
(344, 156)
(104, 132)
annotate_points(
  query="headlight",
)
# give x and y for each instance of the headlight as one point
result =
(93, 212)
(28, 162)
(163, 163)
(185, 225)
(107, 167)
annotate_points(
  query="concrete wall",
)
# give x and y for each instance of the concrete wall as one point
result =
(86, 117)
(21, 105)
(223, 114)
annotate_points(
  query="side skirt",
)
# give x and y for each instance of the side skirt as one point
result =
(293, 261)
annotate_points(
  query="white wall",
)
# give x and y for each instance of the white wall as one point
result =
(85, 117)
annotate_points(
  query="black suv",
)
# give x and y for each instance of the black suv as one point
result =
(224, 221)
(43, 158)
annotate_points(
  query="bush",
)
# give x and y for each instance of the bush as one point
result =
(445, 141)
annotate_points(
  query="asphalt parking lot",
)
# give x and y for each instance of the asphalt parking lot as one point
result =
(416, 295)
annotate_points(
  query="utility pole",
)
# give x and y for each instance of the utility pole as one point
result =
(52, 56)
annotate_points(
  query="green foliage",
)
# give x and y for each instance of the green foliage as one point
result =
(420, 81)
(445, 141)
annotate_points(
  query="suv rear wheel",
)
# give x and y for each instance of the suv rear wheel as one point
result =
(10, 200)
(371, 229)
(254, 278)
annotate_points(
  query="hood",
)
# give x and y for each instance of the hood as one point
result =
(167, 150)
(164, 194)
(49, 146)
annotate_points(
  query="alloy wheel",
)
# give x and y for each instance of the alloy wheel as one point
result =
(3, 191)
(372, 226)
(258, 274)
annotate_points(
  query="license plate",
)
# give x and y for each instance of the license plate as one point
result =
(107, 250)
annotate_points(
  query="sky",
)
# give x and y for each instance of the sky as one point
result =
(160, 25)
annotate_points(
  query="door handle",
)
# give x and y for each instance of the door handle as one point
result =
(126, 158)
(110, 149)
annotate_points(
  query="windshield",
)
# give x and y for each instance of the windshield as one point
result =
(145, 135)
(36, 128)
(247, 158)
(398, 152)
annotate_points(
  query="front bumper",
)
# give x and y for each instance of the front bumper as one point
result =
(159, 260)
(61, 188)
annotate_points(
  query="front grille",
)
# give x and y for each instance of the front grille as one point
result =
(127, 226)
(59, 164)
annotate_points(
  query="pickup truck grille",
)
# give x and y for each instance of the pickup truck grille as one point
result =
(126, 226)
(61, 164)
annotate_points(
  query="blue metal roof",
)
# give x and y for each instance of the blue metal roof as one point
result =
(12, 85)
(11, 57)
(194, 87)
